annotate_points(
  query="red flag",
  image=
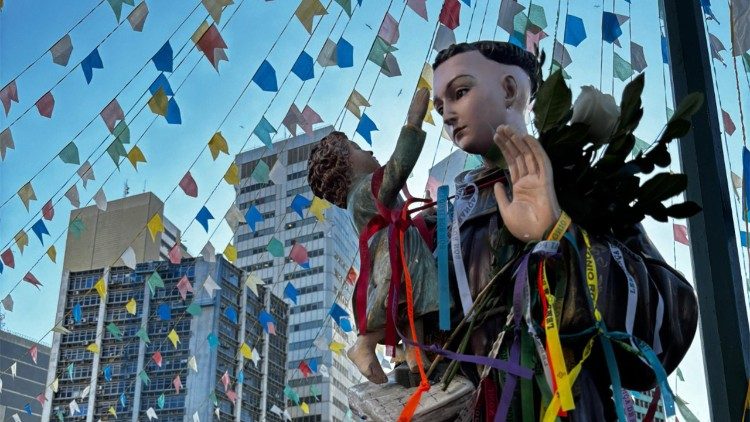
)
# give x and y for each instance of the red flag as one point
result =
(188, 185)
(449, 15)
(225, 380)
(209, 43)
(48, 212)
(157, 358)
(175, 256)
(46, 104)
(305, 369)
(177, 382)
(299, 254)
(351, 276)
(29, 278)
(729, 126)
(7, 94)
(34, 352)
(7, 258)
(681, 234)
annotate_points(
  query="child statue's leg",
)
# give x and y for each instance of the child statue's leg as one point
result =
(362, 354)
(411, 358)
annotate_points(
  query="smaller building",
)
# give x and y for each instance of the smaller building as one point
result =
(21, 390)
(641, 402)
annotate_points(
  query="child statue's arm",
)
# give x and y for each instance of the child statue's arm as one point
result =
(408, 148)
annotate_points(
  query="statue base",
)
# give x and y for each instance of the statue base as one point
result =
(384, 402)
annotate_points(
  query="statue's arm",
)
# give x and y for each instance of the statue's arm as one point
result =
(402, 162)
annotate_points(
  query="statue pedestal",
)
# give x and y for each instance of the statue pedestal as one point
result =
(384, 402)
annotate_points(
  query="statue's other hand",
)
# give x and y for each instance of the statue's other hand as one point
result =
(533, 207)
(418, 108)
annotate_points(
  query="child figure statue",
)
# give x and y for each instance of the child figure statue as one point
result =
(342, 173)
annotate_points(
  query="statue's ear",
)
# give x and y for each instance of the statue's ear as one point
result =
(510, 86)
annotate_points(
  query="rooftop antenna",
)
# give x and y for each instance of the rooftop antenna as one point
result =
(126, 189)
(144, 187)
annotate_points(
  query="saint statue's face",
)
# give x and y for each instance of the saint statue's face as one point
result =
(362, 162)
(473, 94)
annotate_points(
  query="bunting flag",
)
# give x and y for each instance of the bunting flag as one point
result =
(188, 185)
(355, 101)
(344, 54)
(318, 207)
(72, 195)
(378, 52)
(232, 176)
(161, 82)
(290, 292)
(347, 6)
(150, 412)
(9, 95)
(93, 348)
(155, 226)
(213, 341)
(304, 67)
(390, 66)
(59, 328)
(450, 14)
(6, 141)
(275, 247)
(255, 357)
(91, 62)
(173, 116)
(327, 55)
(310, 117)
(351, 276)
(128, 258)
(208, 40)
(291, 394)
(71, 369)
(164, 311)
(86, 173)
(77, 312)
(234, 217)
(245, 351)
(22, 240)
(365, 127)
(112, 411)
(107, 373)
(218, 144)
(292, 119)
(419, 7)
(336, 347)
(611, 27)
(208, 253)
(210, 286)
(73, 407)
(389, 29)
(575, 32)
(45, 105)
(621, 68)
(299, 203)
(225, 380)
(101, 200)
(265, 77)
(729, 126)
(740, 15)
(664, 50)
(260, 172)
(184, 286)
(77, 227)
(116, 150)
(117, 6)
(194, 309)
(263, 131)
(27, 194)
(154, 281)
(304, 368)
(267, 322)
(192, 364)
(444, 38)
(231, 253)
(637, 58)
(716, 47)
(34, 352)
(252, 217)
(138, 16)
(40, 229)
(337, 313)
(159, 102)
(231, 314)
(8, 303)
(278, 173)
(174, 338)
(177, 383)
(307, 10)
(252, 281)
(508, 11)
(537, 16)
(114, 330)
(681, 234)
(101, 288)
(203, 216)
(299, 255)
(61, 50)
(216, 7)
(136, 156)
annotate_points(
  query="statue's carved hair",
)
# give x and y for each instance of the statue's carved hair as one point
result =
(501, 52)
(329, 170)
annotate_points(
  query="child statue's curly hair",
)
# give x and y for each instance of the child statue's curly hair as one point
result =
(329, 170)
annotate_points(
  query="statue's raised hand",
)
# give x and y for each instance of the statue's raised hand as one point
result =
(418, 108)
(533, 207)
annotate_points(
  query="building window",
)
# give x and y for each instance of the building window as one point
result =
(258, 266)
(303, 273)
(305, 238)
(246, 169)
(257, 233)
(300, 190)
(299, 154)
(300, 223)
(296, 175)
(258, 201)
(305, 308)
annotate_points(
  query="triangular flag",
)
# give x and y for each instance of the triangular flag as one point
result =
(6, 141)
(177, 383)
(117, 7)
(45, 104)
(290, 292)
(355, 101)
(265, 77)
(232, 176)
(72, 195)
(188, 185)
(59, 328)
(209, 41)
(174, 338)
(61, 50)
(215, 7)
(52, 253)
(307, 10)
(101, 288)
(163, 59)
(419, 7)
(252, 281)
(184, 286)
(128, 258)
(27, 194)
(450, 13)
(8, 95)
(679, 375)
(155, 226)
(158, 102)
(263, 131)
(299, 255)
(278, 173)
(8, 303)
(305, 408)
(208, 253)
(681, 234)
(93, 348)
(275, 247)
(218, 144)
(173, 116)
(347, 6)
(138, 16)
(230, 252)
(151, 413)
(114, 330)
(91, 62)
(192, 364)
(86, 173)
(304, 67)
(716, 47)
(210, 286)
(136, 156)
(365, 127)
(317, 208)
(100, 200)
(29, 278)
(112, 411)
(426, 77)
(245, 351)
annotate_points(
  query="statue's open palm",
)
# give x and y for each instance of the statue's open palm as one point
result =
(533, 208)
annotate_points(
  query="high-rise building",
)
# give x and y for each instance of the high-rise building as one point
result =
(20, 391)
(331, 249)
(641, 402)
(109, 233)
(140, 345)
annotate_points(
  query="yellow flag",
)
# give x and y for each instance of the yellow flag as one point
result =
(355, 101)
(192, 364)
(307, 10)
(428, 116)
(174, 337)
(158, 103)
(336, 347)
(231, 253)
(112, 412)
(232, 176)
(198, 34)
(318, 206)
(101, 287)
(93, 348)
(425, 78)
(218, 144)
(22, 240)
(304, 407)
(26, 193)
(131, 306)
(135, 156)
(246, 352)
(155, 225)
(55, 385)
(52, 253)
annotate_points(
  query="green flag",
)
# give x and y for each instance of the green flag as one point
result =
(155, 281)
(77, 227)
(71, 368)
(622, 69)
(640, 145)
(143, 335)
(160, 401)
(291, 394)
(275, 247)
(679, 375)
(260, 173)
(144, 377)
(520, 23)
(213, 398)
(686, 413)
(69, 154)
(378, 51)
(536, 16)
(117, 150)
(122, 132)
(746, 61)
(346, 5)
(670, 113)
(116, 333)
(194, 309)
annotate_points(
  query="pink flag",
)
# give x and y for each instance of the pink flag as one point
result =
(389, 30)
(681, 234)
(48, 212)
(225, 380)
(46, 104)
(184, 286)
(41, 399)
(232, 396)
(449, 14)
(729, 126)
(310, 118)
(33, 352)
(175, 254)
(7, 94)
(419, 7)
(111, 114)
(299, 254)
(157, 358)
(8, 259)
(271, 328)
(177, 382)
(351, 276)
(29, 278)
(292, 119)
(188, 185)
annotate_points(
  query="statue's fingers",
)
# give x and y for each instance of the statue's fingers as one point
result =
(540, 155)
(510, 156)
(516, 154)
(529, 158)
(502, 199)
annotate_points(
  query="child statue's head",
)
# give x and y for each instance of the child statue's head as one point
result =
(334, 164)
(481, 85)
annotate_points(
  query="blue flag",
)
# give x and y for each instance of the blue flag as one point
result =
(337, 312)
(213, 341)
(664, 50)
(344, 54)
(267, 321)
(123, 400)
(610, 27)
(77, 312)
(165, 312)
(290, 292)
(163, 59)
(304, 67)
(265, 77)
(575, 32)
(263, 131)
(39, 229)
(173, 113)
(366, 126)
(241, 377)
(203, 216)
(253, 217)
(231, 314)
(108, 373)
(313, 364)
(161, 82)
(299, 203)
(746, 180)
(345, 324)
(92, 61)
(27, 408)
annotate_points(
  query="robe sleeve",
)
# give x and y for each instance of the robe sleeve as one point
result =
(401, 163)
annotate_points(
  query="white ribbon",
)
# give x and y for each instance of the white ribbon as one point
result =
(461, 211)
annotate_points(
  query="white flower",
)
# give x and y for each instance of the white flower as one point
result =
(599, 111)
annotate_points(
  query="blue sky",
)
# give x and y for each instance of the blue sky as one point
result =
(251, 28)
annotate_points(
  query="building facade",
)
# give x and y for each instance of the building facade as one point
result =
(152, 349)
(332, 250)
(20, 392)
(641, 402)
